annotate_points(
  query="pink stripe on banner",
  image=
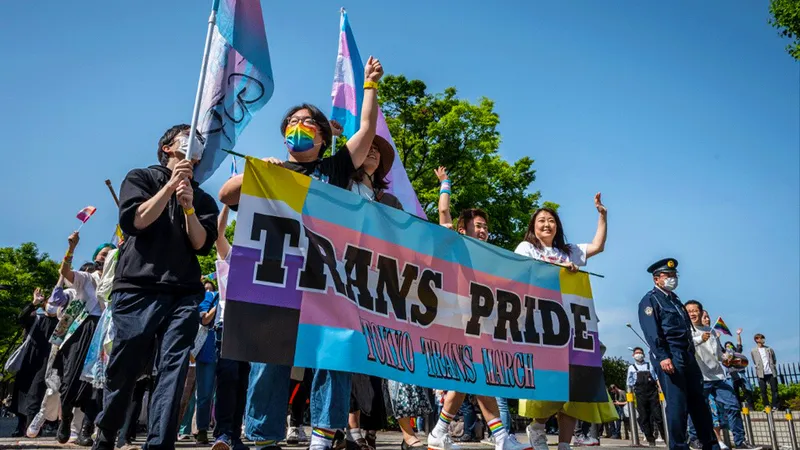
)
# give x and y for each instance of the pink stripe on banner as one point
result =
(241, 285)
(344, 96)
(338, 312)
(581, 358)
(455, 278)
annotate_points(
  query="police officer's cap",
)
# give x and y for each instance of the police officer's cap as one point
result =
(664, 265)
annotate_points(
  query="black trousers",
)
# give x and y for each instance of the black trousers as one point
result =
(232, 380)
(773, 384)
(743, 394)
(142, 318)
(301, 396)
(648, 412)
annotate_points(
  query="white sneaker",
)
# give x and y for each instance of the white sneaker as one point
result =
(580, 441)
(564, 446)
(441, 442)
(537, 436)
(293, 435)
(73, 436)
(302, 436)
(512, 443)
(489, 440)
(591, 442)
(36, 425)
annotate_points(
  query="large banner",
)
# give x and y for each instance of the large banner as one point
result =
(322, 278)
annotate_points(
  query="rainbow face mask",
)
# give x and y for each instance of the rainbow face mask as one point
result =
(300, 137)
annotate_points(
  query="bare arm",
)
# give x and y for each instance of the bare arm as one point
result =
(66, 264)
(207, 317)
(231, 191)
(361, 141)
(197, 234)
(598, 244)
(445, 219)
(223, 246)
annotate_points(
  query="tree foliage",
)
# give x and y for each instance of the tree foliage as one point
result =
(786, 18)
(615, 371)
(430, 130)
(22, 270)
(208, 262)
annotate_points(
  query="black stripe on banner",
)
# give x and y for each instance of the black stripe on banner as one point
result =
(586, 384)
(260, 333)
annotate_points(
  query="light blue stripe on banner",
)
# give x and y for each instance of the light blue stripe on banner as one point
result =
(343, 208)
(346, 351)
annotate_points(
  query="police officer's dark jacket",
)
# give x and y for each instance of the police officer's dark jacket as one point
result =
(665, 324)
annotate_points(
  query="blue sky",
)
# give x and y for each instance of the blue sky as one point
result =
(685, 115)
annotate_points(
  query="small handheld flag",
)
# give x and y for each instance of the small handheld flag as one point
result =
(234, 172)
(86, 213)
(722, 327)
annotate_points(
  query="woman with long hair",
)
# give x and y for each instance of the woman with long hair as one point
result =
(546, 241)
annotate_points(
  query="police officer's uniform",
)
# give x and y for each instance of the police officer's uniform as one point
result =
(668, 332)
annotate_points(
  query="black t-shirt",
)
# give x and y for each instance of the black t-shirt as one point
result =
(335, 169)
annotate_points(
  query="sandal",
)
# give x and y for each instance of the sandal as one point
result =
(363, 445)
(416, 445)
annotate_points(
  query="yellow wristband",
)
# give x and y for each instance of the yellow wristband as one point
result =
(370, 85)
(189, 211)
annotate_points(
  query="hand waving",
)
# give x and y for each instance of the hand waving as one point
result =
(373, 70)
(598, 203)
(441, 173)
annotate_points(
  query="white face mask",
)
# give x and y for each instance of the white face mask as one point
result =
(638, 357)
(670, 284)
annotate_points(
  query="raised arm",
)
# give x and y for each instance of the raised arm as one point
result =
(230, 191)
(223, 246)
(66, 264)
(361, 141)
(599, 242)
(445, 219)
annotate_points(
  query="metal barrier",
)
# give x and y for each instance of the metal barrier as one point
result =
(663, 403)
(634, 423)
(792, 433)
(748, 425)
(773, 438)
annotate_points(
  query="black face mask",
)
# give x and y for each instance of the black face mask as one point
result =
(98, 265)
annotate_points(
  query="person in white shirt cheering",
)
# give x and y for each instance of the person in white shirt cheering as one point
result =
(709, 355)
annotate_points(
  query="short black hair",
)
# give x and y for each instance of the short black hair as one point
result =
(638, 348)
(167, 139)
(758, 336)
(88, 267)
(694, 302)
(323, 125)
(468, 215)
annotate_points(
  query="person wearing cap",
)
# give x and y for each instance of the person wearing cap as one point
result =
(668, 332)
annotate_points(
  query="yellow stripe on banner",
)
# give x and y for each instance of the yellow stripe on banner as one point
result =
(575, 283)
(265, 180)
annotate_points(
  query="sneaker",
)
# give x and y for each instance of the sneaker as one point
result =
(267, 445)
(536, 436)
(513, 444)
(222, 443)
(184, 437)
(293, 435)
(63, 434)
(722, 446)
(36, 425)
(564, 446)
(591, 442)
(73, 436)
(201, 438)
(466, 438)
(580, 441)
(303, 438)
(694, 443)
(651, 443)
(745, 445)
(488, 440)
(441, 443)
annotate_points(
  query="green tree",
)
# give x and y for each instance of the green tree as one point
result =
(440, 129)
(208, 263)
(615, 371)
(22, 270)
(786, 18)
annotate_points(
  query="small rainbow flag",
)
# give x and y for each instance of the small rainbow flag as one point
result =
(212, 276)
(86, 213)
(722, 327)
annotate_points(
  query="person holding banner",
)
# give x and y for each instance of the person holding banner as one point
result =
(546, 240)
(668, 332)
(307, 135)
(168, 221)
(474, 223)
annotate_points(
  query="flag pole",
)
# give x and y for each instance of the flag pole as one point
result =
(212, 21)
(113, 193)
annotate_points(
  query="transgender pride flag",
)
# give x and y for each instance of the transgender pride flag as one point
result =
(348, 93)
(238, 79)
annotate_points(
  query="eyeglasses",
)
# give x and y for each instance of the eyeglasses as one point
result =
(307, 121)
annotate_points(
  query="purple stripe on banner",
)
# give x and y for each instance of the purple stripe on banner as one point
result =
(242, 288)
(344, 96)
(590, 359)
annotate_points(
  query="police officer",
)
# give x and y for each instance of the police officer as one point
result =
(668, 332)
(642, 380)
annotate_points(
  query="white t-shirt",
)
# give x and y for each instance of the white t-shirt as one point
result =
(85, 286)
(708, 354)
(765, 360)
(577, 253)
